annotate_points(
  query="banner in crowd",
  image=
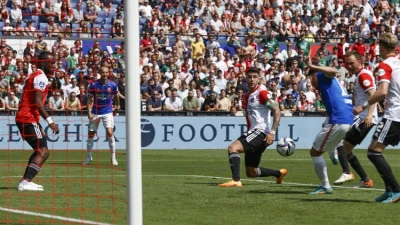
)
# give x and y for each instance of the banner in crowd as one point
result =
(165, 132)
(20, 44)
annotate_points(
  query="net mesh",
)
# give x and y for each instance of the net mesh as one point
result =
(73, 193)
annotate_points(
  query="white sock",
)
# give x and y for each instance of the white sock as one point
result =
(111, 143)
(89, 145)
(321, 170)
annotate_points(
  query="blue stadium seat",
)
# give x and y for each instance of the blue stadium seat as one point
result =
(112, 14)
(114, 6)
(35, 19)
(63, 25)
(75, 34)
(23, 24)
(35, 25)
(106, 35)
(102, 13)
(142, 21)
(140, 29)
(75, 25)
(108, 20)
(97, 25)
(116, 2)
(99, 20)
(73, 4)
(43, 26)
(1, 25)
(75, 1)
(107, 28)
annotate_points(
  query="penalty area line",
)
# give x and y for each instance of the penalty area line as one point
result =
(51, 216)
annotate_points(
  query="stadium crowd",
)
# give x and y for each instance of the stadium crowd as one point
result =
(73, 68)
(194, 54)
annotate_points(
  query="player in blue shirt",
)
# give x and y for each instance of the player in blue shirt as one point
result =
(339, 108)
(102, 92)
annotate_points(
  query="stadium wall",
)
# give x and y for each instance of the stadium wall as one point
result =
(165, 132)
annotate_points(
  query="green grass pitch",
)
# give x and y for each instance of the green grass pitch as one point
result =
(180, 188)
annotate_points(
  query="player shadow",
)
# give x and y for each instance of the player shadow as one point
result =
(7, 188)
(340, 200)
(275, 192)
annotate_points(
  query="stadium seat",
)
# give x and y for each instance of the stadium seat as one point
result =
(43, 26)
(142, 21)
(112, 14)
(35, 25)
(108, 20)
(75, 25)
(35, 19)
(75, 1)
(73, 4)
(75, 34)
(97, 25)
(107, 28)
(102, 13)
(140, 29)
(99, 20)
(63, 25)
(114, 6)
(23, 24)
(106, 35)
(116, 2)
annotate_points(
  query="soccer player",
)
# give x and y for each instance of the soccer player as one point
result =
(339, 109)
(27, 119)
(258, 106)
(388, 129)
(364, 87)
(102, 92)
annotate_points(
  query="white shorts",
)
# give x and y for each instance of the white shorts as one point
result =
(108, 121)
(330, 136)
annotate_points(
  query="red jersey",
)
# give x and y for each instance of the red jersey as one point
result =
(340, 54)
(28, 111)
(360, 48)
(372, 48)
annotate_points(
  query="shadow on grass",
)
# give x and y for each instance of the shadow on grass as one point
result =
(8, 188)
(340, 200)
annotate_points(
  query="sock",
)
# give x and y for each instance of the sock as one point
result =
(355, 164)
(89, 144)
(321, 170)
(384, 170)
(234, 160)
(343, 159)
(34, 154)
(111, 143)
(31, 171)
(265, 172)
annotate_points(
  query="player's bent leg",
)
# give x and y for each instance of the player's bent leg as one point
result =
(346, 175)
(234, 151)
(392, 190)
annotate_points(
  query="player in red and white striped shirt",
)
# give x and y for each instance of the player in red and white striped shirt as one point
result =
(27, 120)
(388, 129)
(258, 106)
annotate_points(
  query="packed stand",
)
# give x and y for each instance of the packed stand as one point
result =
(73, 71)
(194, 54)
(71, 18)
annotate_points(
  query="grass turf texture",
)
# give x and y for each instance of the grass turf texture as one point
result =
(180, 187)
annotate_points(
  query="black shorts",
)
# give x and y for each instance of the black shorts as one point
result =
(33, 134)
(358, 132)
(387, 132)
(254, 146)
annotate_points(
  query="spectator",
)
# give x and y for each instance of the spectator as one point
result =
(191, 103)
(2, 104)
(210, 103)
(223, 102)
(173, 103)
(183, 92)
(117, 31)
(320, 107)
(7, 29)
(11, 101)
(78, 13)
(72, 103)
(154, 103)
(26, 12)
(15, 14)
(56, 103)
(303, 105)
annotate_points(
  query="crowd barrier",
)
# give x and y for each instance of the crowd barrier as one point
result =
(165, 132)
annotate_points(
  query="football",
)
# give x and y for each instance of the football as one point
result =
(285, 146)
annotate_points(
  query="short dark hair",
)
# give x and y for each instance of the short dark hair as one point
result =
(253, 70)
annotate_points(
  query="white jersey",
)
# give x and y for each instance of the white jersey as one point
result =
(364, 82)
(389, 72)
(257, 114)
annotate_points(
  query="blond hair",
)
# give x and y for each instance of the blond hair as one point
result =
(388, 41)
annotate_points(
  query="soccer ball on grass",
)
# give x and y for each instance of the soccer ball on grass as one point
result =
(285, 146)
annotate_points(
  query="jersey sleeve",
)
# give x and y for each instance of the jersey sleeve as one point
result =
(91, 89)
(366, 82)
(264, 96)
(40, 83)
(384, 73)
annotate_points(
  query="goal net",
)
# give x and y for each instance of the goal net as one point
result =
(73, 193)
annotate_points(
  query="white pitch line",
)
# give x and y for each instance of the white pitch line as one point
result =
(265, 181)
(51, 216)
